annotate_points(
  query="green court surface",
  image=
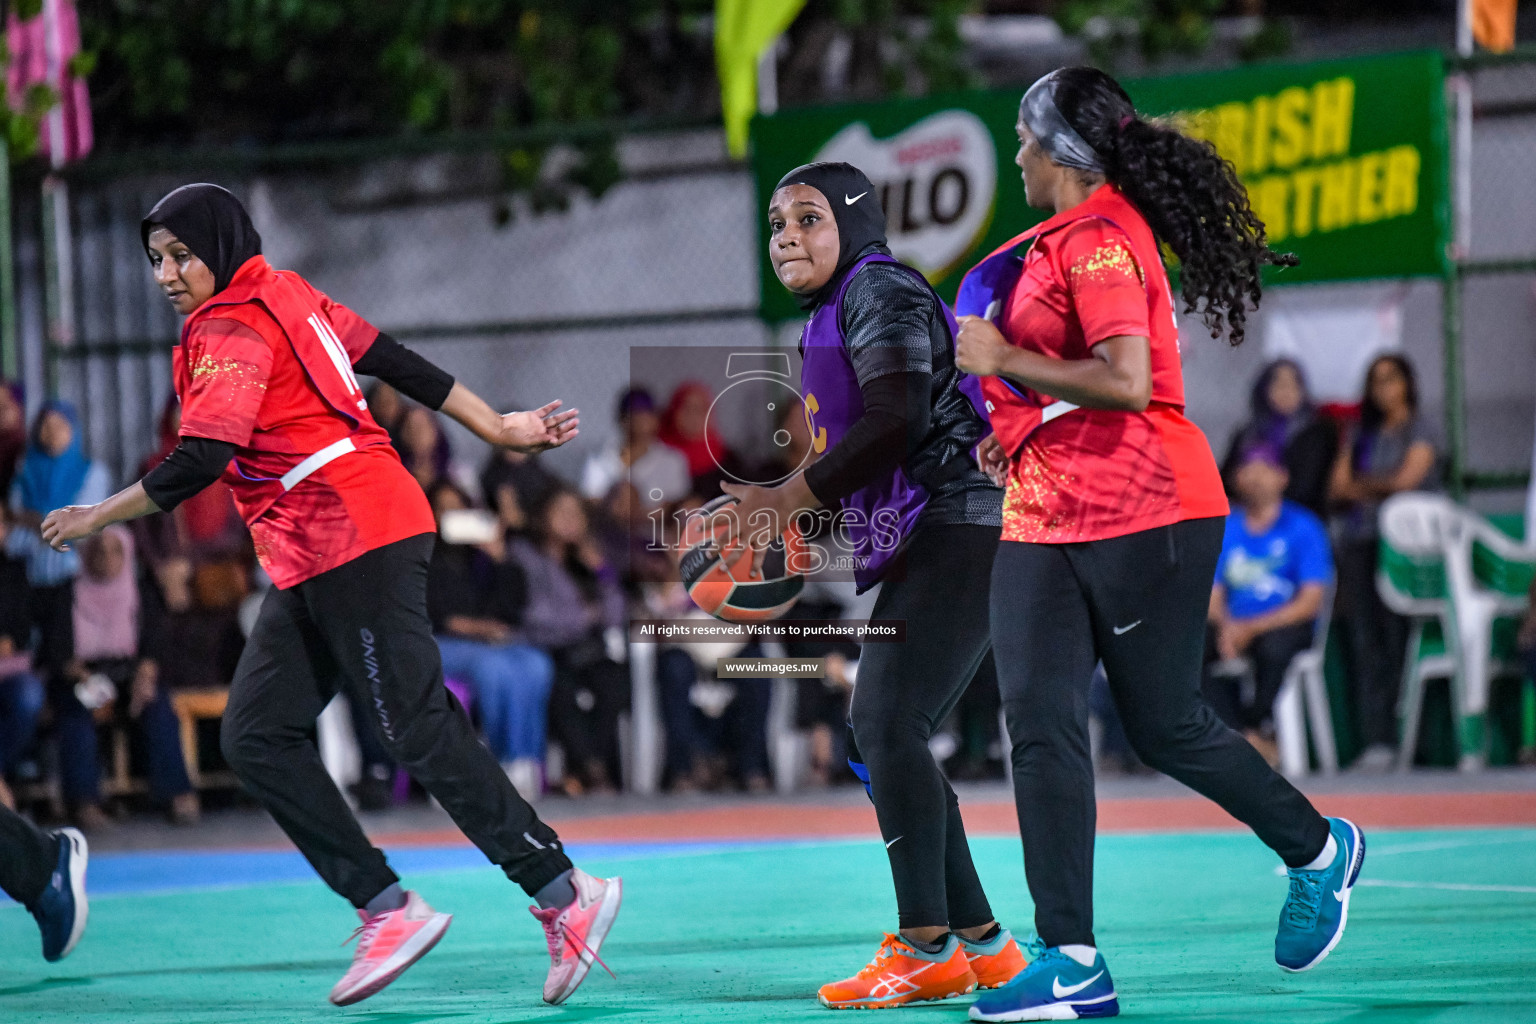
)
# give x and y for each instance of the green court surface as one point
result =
(1443, 928)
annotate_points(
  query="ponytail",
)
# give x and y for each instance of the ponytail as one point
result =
(1191, 197)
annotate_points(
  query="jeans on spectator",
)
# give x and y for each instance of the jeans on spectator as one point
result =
(21, 703)
(511, 683)
(155, 732)
(1271, 654)
(741, 731)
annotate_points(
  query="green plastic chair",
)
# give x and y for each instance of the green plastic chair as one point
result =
(1489, 576)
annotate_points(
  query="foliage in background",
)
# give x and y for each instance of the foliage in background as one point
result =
(257, 72)
(20, 125)
(883, 48)
(1158, 30)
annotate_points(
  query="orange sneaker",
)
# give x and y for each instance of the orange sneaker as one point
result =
(900, 974)
(995, 963)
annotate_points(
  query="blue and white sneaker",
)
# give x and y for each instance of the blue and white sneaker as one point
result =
(1053, 987)
(62, 908)
(1312, 920)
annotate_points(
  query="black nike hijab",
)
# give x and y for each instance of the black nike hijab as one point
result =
(210, 221)
(855, 206)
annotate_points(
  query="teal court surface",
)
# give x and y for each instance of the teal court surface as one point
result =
(1442, 928)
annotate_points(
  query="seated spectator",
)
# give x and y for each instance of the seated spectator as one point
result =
(685, 427)
(199, 558)
(577, 612)
(1274, 570)
(1392, 451)
(1284, 417)
(21, 692)
(974, 724)
(476, 596)
(713, 727)
(425, 450)
(513, 482)
(635, 540)
(658, 471)
(55, 472)
(116, 642)
(821, 705)
(387, 408)
(13, 434)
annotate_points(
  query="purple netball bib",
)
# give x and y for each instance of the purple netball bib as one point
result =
(879, 518)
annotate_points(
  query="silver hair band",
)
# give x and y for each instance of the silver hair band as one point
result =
(1057, 137)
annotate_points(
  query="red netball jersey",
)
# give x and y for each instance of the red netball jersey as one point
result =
(266, 364)
(1091, 273)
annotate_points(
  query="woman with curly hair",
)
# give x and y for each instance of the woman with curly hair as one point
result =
(1114, 513)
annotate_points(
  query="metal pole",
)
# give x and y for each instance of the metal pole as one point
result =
(768, 79)
(1459, 85)
(8, 310)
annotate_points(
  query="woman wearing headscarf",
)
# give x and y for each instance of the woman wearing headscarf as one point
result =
(1284, 418)
(265, 371)
(54, 472)
(1114, 513)
(894, 431)
(118, 639)
(685, 426)
(13, 433)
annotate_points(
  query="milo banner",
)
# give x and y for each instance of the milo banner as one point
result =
(1345, 162)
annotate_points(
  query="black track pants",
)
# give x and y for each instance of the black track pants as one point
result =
(1139, 604)
(27, 857)
(363, 628)
(904, 693)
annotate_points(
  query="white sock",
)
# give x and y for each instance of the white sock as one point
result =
(1084, 955)
(1326, 857)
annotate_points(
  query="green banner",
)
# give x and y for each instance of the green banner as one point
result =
(1345, 162)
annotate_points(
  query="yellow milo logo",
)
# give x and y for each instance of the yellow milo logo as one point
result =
(1292, 151)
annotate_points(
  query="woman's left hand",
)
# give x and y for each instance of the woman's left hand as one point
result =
(762, 514)
(539, 429)
(980, 348)
(71, 522)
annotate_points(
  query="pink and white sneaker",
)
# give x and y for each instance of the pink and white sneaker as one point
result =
(387, 944)
(575, 932)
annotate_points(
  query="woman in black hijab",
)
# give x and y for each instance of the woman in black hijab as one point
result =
(895, 432)
(265, 372)
(212, 223)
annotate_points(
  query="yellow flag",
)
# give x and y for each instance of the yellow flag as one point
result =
(743, 29)
(1493, 24)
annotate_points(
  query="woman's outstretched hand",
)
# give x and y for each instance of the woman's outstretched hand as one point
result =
(539, 429)
(71, 522)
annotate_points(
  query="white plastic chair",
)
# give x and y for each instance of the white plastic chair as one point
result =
(1303, 702)
(1417, 532)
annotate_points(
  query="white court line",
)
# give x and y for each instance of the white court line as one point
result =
(1448, 844)
(1434, 844)
(1450, 886)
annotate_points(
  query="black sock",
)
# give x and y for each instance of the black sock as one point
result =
(934, 947)
(991, 933)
